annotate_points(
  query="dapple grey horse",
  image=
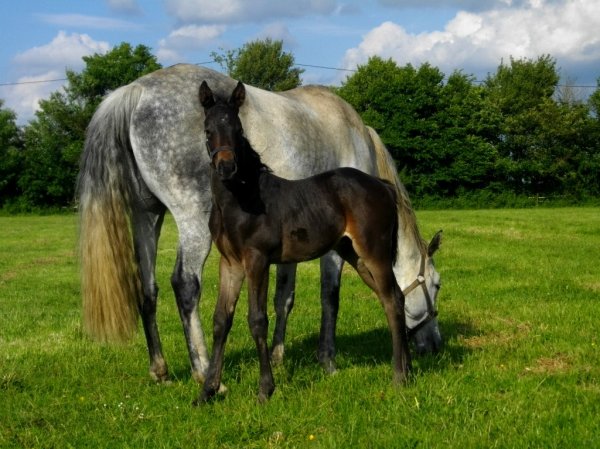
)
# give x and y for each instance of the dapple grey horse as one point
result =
(145, 153)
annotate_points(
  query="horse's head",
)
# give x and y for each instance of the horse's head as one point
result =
(223, 128)
(421, 298)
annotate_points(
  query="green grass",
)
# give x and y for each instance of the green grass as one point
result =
(519, 309)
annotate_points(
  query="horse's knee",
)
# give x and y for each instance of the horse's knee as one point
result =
(187, 289)
(221, 323)
(258, 323)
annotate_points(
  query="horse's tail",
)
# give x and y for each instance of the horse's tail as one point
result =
(110, 281)
(386, 169)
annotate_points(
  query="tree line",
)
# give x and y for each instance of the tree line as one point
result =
(514, 136)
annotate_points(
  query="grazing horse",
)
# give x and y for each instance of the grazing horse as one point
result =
(142, 157)
(259, 218)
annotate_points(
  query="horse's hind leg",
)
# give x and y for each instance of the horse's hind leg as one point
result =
(147, 223)
(331, 271)
(284, 302)
(194, 246)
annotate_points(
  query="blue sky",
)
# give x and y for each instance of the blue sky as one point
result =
(42, 38)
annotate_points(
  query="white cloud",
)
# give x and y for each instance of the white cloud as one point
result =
(277, 31)
(65, 50)
(477, 42)
(47, 62)
(189, 37)
(228, 11)
(23, 98)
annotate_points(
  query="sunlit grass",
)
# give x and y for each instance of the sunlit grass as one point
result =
(519, 308)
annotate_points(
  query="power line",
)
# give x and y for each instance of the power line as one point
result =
(17, 83)
(327, 68)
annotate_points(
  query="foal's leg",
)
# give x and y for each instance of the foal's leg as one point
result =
(381, 278)
(284, 302)
(146, 230)
(230, 283)
(331, 272)
(257, 271)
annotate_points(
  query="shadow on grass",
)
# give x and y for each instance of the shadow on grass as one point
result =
(370, 348)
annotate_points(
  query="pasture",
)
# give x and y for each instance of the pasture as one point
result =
(519, 310)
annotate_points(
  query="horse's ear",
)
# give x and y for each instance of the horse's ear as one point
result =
(435, 243)
(207, 99)
(238, 95)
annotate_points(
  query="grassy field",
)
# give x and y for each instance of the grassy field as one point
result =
(519, 309)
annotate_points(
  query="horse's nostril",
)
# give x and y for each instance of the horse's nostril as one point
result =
(226, 170)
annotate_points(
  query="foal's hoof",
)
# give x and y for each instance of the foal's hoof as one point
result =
(205, 397)
(199, 377)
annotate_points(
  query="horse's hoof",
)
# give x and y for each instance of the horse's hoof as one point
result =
(277, 355)
(161, 376)
(198, 376)
(400, 378)
(264, 394)
(329, 366)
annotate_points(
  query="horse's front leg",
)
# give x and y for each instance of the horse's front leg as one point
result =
(257, 270)
(284, 302)
(230, 283)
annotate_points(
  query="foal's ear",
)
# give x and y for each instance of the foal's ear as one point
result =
(238, 95)
(435, 243)
(206, 96)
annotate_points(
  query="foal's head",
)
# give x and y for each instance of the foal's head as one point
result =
(223, 128)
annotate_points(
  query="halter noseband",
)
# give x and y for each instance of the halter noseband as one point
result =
(420, 281)
(212, 153)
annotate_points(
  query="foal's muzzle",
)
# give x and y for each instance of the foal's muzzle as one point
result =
(223, 160)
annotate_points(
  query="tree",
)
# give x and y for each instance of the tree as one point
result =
(531, 124)
(261, 63)
(10, 154)
(594, 101)
(438, 133)
(54, 138)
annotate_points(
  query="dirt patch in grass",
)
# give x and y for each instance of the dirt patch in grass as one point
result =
(559, 363)
(512, 331)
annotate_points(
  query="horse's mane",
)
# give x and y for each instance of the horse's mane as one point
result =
(386, 169)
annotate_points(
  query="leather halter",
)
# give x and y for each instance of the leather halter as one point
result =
(420, 281)
(212, 153)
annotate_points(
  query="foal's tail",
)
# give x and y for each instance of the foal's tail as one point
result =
(110, 281)
(386, 169)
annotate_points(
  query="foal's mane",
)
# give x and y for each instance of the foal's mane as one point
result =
(252, 160)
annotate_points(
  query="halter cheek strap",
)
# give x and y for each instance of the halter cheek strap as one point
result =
(420, 281)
